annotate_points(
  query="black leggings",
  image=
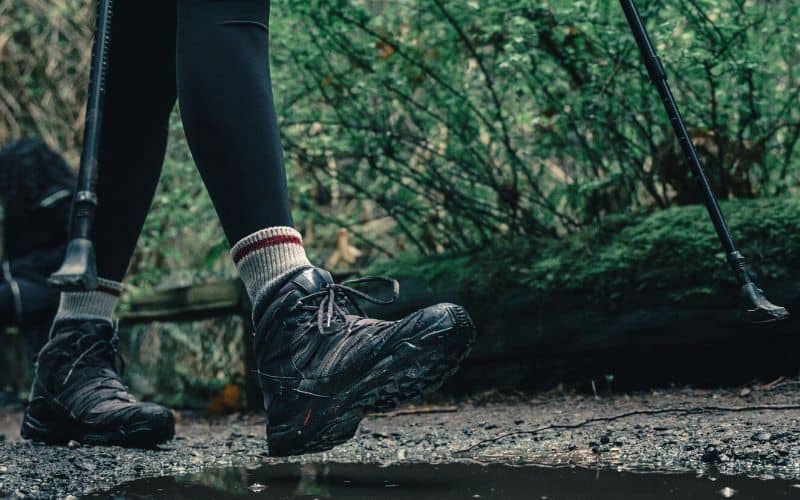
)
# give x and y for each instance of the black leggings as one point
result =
(212, 55)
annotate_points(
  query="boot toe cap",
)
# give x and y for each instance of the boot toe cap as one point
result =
(149, 425)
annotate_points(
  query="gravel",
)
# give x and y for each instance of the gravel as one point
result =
(761, 443)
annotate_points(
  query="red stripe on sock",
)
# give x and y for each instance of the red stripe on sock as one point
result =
(281, 239)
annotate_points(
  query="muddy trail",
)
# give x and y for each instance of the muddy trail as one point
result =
(743, 439)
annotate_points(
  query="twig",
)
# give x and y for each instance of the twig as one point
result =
(773, 384)
(784, 384)
(423, 410)
(659, 411)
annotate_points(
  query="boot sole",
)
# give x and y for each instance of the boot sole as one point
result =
(415, 368)
(58, 428)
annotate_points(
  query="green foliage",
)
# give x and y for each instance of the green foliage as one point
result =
(440, 126)
(472, 121)
(182, 242)
(184, 364)
(674, 250)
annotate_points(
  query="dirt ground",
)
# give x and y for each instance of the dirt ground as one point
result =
(739, 431)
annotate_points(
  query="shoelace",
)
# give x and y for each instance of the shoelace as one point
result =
(100, 348)
(335, 296)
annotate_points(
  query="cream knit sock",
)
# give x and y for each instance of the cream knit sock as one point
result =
(266, 258)
(98, 304)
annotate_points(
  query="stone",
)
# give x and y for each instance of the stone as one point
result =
(762, 437)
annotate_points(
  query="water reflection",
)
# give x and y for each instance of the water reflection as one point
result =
(422, 481)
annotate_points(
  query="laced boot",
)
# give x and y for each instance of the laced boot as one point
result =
(78, 395)
(323, 365)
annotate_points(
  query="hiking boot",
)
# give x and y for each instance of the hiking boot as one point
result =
(77, 393)
(323, 365)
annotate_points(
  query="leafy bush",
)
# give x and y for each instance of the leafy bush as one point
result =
(471, 121)
(440, 126)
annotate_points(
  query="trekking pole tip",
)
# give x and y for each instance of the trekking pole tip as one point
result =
(758, 309)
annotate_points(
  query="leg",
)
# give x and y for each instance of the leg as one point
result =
(77, 394)
(322, 365)
(225, 96)
(139, 100)
(228, 112)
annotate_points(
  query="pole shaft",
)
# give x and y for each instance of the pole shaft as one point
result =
(85, 199)
(659, 78)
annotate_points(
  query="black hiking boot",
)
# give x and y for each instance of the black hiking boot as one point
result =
(77, 394)
(323, 367)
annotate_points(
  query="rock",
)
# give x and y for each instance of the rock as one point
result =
(3, 469)
(85, 465)
(73, 444)
(762, 437)
(727, 492)
(744, 392)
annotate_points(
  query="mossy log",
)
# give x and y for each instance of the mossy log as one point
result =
(636, 301)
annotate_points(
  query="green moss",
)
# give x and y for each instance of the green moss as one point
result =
(674, 250)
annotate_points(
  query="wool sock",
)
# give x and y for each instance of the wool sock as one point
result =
(98, 304)
(266, 259)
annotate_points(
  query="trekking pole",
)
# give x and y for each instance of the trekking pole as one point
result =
(79, 271)
(757, 308)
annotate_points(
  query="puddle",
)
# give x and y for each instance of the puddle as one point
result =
(441, 482)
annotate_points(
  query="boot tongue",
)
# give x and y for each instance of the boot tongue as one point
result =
(78, 347)
(308, 281)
